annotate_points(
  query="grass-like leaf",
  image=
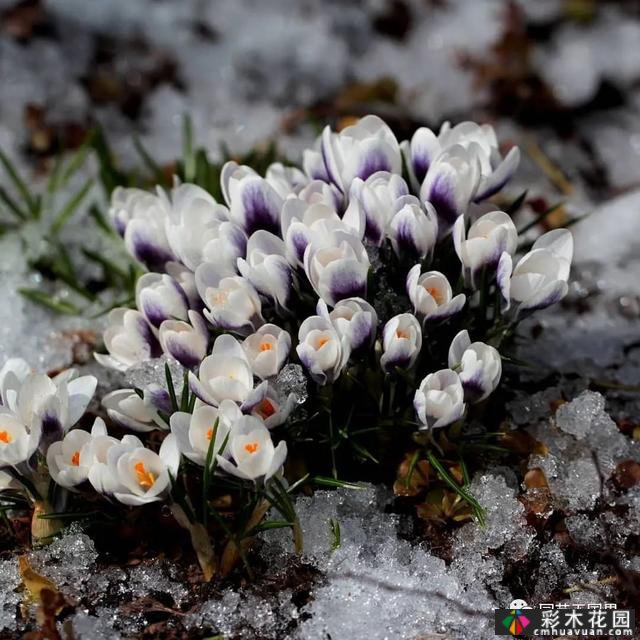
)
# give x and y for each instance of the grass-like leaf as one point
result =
(45, 300)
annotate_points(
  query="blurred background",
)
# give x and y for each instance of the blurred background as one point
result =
(560, 78)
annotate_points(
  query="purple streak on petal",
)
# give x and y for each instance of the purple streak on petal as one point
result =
(183, 355)
(300, 242)
(405, 239)
(146, 333)
(120, 223)
(473, 389)
(51, 431)
(343, 285)
(160, 398)
(258, 212)
(420, 167)
(332, 177)
(442, 198)
(373, 161)
(154, 313)
(152, 255)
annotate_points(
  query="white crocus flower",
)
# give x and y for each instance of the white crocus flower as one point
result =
(145, 236)
(199, 230)
(232, 302)
(12, 374)
(313, 164)
(267, 350)
(251, 448)
(495, 171)
(17, 442)
(413, 229)
(128, 409)
(187, 280)
(322, 350)
(359, 151)
(49, 405)
(69, 460)
(451, 184)
(479, 366)
(187, 342)
(354, 319)
(340, 271)
(225, 374)
(431, 295)
(401, 342)
(253, 202)
(194, 432)
(303, 224)
(372, 204)
(159, 297)
(271, 407)
(540, 277)
(286, 181)
(137, 475)
(267, 268)
(129, 339)
(439, 400)
(481, 247)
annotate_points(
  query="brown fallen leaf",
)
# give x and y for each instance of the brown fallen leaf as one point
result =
(412, 485)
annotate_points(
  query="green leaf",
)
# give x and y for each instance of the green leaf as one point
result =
(538, 219)
(18, 183)
(12, 205)
(45, 300)
(323, 481)
(70, 207)
(268, 526)
(188, 157)
(151, 165)
(515, 206)
(100, 220)
(170, 388)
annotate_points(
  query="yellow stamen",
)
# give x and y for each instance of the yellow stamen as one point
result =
(75, 459)
(251, 447)
(145, 478)
(402, 334)
(266, 346)
(322, 342)
(5, 437)
(209, 434)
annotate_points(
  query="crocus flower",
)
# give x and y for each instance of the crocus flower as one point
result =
(286, 181)
(313, 163)
(187, 280)
(129, 339)
(49, 405)
(198, 229)
(267, 268)
(439, 400)
(371, 204)
(17, 442)
(540, 277)
(159, 297)
(304, 223)
(70, 459)
(354, 319)
(401, 342)
(122, 204)
(432, 296)
(320, 192)
(481, 247)
(478, 364)
(359, 151)
(481, 140)
(145, 236)
(225, 374)
(413, 229)
(13, 372)
(451, 184)
(232, 302)
(322, 350)
(139, 475)
(267, 350)
(187, 342)
(253, 202)
(272, 407)
(339, 271)
(126, 408)
(254, 456)
(194, 432)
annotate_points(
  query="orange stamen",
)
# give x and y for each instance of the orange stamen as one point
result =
(435, 294)
(75, 459)
(209, 434)
(266, 409)
(266, 346)
(322, 342)
(402, 334)
(251, 447)
(5, 437)
(145, 478)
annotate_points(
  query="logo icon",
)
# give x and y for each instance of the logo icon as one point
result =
(516, 622)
